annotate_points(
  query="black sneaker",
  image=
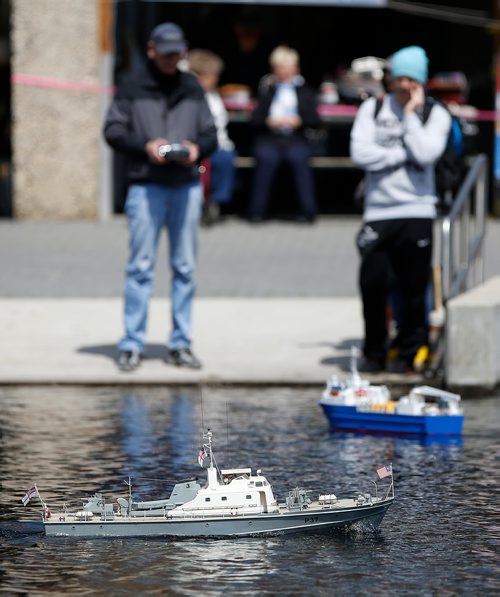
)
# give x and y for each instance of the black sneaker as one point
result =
(369, 365)
(399, 367)
(183, 357)
(305, 219)
(129, 360)
(211, 214)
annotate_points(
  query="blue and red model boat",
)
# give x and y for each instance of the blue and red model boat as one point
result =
(358, 406)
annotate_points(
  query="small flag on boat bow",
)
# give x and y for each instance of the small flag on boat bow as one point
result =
(385, 471)
(31, 493)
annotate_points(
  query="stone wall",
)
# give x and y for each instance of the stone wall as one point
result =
(57, 116)
(473, 337)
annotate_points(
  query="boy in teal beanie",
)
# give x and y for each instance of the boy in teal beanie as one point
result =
(397, 151)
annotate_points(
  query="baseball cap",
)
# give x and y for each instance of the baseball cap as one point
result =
(168, 38)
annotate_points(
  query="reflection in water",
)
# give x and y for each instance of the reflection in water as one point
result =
(437, 538)
(183, 432)
(138, 439)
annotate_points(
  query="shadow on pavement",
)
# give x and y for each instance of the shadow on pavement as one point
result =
(342, 361)
(152, 351)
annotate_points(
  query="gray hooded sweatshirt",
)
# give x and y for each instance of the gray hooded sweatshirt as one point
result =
(398, 153)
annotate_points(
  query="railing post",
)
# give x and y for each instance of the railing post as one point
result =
(462, 255)
(481, 195)
(445, 257)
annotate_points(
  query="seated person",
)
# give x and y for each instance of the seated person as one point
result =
(286, 107)
(208, 66)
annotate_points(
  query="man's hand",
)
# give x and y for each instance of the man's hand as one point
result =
(194, 154)
(151, 148)
(417, 98)
(287, 122)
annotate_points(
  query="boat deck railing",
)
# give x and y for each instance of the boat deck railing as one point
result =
(462, 233)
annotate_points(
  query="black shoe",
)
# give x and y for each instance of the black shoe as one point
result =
(211, 214)
(255, 219)
(129, 360)
(305, 219)
(399, 366)
(183, 357)
(369, 365)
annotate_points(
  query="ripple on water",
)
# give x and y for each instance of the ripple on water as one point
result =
(438, 538)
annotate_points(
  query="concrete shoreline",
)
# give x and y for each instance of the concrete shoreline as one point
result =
(277, 304)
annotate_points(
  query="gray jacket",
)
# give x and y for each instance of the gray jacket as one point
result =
(149, 105)
(398, 153)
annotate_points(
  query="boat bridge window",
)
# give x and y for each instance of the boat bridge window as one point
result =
(258, 483)
(232, 476)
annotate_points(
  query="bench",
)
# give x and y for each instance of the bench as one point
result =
(324, 162)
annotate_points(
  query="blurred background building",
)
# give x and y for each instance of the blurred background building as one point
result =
(60, 59)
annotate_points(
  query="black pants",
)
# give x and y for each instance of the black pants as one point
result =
(395, 253)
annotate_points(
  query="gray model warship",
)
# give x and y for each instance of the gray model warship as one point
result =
(232, 503)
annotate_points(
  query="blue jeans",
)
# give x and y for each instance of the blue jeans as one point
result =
(222, 175)
(149, 207)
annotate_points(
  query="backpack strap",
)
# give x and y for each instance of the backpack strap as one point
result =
(426, 111)
(378, 106)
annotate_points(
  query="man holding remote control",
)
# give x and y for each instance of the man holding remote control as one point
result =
(161, 121)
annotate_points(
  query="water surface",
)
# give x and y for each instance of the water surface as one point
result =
(440, 537)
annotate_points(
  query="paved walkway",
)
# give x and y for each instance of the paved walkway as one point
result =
(277, 303)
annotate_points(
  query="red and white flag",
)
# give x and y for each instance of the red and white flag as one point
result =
(385, 471)
(31, 493)
(202, 458)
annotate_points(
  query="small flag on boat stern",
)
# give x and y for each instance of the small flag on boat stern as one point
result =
(385, 471)
(31, 493)
(203, 459)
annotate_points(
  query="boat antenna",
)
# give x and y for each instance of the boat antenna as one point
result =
(129, 485)
(227, 431)
(354, 364)
(201, 408)
(46, 511)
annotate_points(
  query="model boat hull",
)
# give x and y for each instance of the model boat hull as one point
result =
(313, 520)
(349, 418)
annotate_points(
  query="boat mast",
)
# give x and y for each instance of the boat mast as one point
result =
(354, 365)
(45, 509)
(208, 437)
(213, 470)
(129, 484)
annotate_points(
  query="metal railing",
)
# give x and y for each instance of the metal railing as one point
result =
(463, 231)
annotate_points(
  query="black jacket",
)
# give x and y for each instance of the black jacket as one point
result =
(307, 108)
(149, 105)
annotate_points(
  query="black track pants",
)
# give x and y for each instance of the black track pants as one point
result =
(395, 253)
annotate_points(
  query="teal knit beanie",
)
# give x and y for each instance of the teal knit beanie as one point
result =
(410, 62)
